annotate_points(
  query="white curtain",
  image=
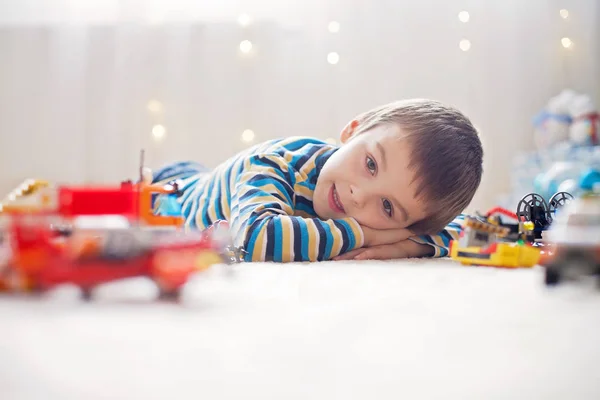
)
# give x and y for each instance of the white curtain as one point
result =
(83, 83)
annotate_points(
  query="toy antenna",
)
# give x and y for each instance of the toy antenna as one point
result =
(140, 185)
(141, 165)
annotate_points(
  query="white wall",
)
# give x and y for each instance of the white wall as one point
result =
(76, 76)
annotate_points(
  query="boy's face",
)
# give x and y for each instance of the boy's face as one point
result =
(369, 179)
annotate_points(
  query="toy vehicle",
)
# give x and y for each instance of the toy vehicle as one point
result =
(575, 235)
(533, 208)
(88, 258)
(516, 229)
(137, 202)
(47, 239)
(129, 200)
(5, 260)
(481, 243)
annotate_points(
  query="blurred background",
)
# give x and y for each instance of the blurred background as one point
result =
(85, 84)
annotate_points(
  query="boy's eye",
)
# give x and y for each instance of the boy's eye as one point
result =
(371, 166)
(387, 207)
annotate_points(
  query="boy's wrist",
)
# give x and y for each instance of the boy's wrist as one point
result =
(357, 231)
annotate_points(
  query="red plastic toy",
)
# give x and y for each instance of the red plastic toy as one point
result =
(41, 247)
(89, 258)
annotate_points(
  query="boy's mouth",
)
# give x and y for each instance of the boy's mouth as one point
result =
(334, 201)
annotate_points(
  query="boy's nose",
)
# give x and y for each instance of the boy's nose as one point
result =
(358, 196)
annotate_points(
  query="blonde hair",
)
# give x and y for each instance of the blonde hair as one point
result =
(447, 156)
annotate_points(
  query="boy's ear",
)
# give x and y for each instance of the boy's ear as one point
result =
(348, 131)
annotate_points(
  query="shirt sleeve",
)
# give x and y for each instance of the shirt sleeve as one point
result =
(263, 222)
(441, 241)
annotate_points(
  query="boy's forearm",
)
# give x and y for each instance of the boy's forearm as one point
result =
(440, 243)
(283, 238)
(416, 250)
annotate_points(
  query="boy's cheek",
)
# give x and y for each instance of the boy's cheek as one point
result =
(369, 218)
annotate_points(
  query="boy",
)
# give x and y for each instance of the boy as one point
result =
(394, 189)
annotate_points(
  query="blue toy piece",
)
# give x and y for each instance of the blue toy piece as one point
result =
(167, 204)
(589, 180)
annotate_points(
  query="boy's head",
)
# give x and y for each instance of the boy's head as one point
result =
(412, 164)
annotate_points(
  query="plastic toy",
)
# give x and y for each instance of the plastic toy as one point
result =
(590, 181)
(88, 258)
(502, 217)
(134, 201)
(129, 200)
(42, 245)
(533, 208)
(486, 244)
(553, 122)
(584, 129)
(568, 116)
(575, 235)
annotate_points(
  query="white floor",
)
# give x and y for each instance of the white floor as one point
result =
(396, 330)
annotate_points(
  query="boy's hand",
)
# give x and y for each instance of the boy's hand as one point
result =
(403, 249)
(377, 237)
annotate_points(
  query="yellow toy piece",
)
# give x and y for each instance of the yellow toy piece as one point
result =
(501, 254)
(207, 259)
(528, 226)
(22, 199)
(486, 227)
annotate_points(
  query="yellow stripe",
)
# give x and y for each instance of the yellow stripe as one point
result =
(271, 188)
(212, 211)
(438, 241)
(303, 191)
(336, 247)
(301, 213)
(311, 163)
(454, 233)
(358, 233)
(287, 232)
(258, 199)
(313, 240)
(288, 157)
(224, 199)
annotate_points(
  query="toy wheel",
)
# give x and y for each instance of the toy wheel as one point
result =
(86, 294)
(552, 277)
(559, 200)
(169, 294)
(581, 265)
(527, 206)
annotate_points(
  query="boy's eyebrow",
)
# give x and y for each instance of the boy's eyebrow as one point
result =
(382, 152)
(401, 209)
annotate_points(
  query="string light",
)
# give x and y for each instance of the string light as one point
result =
(154, 106)
(463, 16)
(244, 20)
(334, 27)
(566, 42)
(564, 13)
(333, 58)
(248, 135)
(158, 131)
(464, 45)
(246, 46)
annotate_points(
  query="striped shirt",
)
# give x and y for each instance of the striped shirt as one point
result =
(265, 193)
